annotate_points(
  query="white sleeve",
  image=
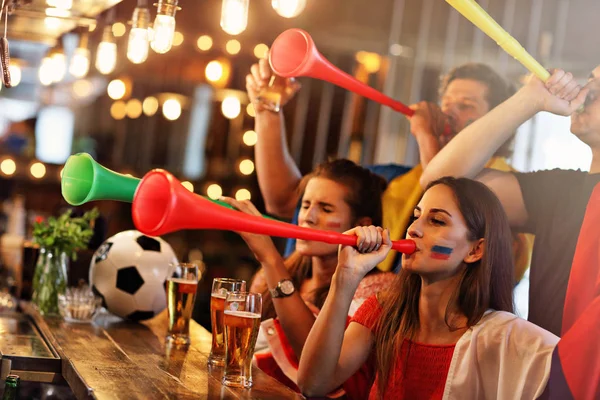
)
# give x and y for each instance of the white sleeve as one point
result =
(503, 357)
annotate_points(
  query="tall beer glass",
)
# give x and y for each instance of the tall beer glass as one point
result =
(242, 321)
(181, 295)
(220, 289)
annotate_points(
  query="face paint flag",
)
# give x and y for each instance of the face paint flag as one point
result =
(439, 252)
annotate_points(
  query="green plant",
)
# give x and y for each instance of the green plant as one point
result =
(59, 239)
(65, 234)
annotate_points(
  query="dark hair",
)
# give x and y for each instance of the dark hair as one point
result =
(484, 284)
(498, 91)
(364, 198)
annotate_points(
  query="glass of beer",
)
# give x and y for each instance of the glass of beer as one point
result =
(181, 295)
(270, 96)
(241, 319)
(220, 289)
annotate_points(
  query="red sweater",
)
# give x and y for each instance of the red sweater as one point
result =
(419, 372)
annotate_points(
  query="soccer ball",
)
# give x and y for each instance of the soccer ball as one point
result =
(129, 271)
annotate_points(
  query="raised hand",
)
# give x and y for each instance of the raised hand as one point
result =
(373, 243)
(259, 78)
(261, 245)
(561, 94)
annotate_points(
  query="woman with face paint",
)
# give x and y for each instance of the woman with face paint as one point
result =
(336, 196)
(547, 203)
(445, 328)
(466, 93)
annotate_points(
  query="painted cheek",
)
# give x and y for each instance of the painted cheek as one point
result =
(333, 225)
(441, 252)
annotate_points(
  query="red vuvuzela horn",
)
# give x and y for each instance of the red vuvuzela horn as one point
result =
(293, 54)
(161, 205)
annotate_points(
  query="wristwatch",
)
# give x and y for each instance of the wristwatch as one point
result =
(284, 288)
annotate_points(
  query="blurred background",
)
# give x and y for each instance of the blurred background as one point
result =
(86, 81)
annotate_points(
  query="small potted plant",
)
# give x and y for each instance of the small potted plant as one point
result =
(59, 239)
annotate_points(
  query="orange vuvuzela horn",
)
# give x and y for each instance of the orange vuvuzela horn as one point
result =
(161, 205)
(294, 54)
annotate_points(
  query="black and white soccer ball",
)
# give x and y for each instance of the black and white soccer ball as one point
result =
(129, 271)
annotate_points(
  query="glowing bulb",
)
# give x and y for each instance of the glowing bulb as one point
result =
(138, 45)
(246, 167)
(82, 88)
(243, 194)
(8, 167)
(250, 138)
(150, 106)
(234, 16)
(118, 110)
(133, 109)
(371, 61)
(261, 50)
(214, 191)
(15, 74)
(214, 71)
(164, 30)
(119, 29)
(116, 89)
(250, 110)
(52, 23)
(45, 73)
(139, 37)
(177, 39)
(171, 109)
(231, 107)
(288, 8)
(204, 42)
(188, 185)
(233, 47)
(106, 56)
(59, 66)
(80, 63)
(38, 170)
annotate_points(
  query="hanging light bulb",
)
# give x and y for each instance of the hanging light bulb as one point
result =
(288, 8)
(106, 55)
(45, 73)
(164, 26)
(59, 64)
(80, 62)
(139, 39)
(234, 16)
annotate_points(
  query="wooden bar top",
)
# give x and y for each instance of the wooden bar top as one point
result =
(116, 359)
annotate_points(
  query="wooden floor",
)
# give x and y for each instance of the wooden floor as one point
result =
(115, 359)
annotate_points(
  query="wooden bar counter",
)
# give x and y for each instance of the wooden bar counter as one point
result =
(115, 359)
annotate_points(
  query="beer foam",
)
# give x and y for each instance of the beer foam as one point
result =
(218, 296)
(181, 280)
(242, 314)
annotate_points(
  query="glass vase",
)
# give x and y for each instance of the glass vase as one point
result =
(49, 280)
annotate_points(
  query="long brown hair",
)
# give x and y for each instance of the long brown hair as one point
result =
(484, 284)
(364, 198)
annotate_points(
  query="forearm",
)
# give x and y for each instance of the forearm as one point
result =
(295, 317)
(319, 372)
(467, 153)
(278, 175)
(429, 146)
